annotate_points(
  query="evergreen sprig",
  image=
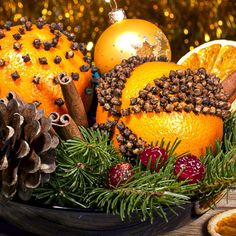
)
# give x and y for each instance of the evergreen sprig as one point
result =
(94, 151)
(149, 193)
(57, 192)
(80, 178)
(81, 164)
(230, 130)
(221, 167)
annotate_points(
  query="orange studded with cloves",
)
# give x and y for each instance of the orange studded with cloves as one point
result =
(153, 100)
(32, 56)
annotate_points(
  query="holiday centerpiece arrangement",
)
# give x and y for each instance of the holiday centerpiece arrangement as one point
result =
(164, 136)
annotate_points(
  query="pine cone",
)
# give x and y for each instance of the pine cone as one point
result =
(27, 148)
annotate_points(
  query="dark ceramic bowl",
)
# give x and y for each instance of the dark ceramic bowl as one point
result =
(57, 221)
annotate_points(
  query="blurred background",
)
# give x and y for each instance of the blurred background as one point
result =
(186, 23)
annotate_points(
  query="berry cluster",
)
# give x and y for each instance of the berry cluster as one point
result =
(187, 168)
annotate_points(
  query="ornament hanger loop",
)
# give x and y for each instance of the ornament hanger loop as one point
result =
(116, 14)
(113, 5)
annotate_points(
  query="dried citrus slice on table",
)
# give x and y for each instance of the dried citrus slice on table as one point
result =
(218, 57)
(223, 224)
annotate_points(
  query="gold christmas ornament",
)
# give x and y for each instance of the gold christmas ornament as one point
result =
(126, 38)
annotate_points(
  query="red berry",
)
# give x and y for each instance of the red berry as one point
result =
(193, 169)
(119, 174)
(154, 153)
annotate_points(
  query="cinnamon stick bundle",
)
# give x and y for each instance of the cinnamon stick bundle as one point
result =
(65, 126)
(73, 101)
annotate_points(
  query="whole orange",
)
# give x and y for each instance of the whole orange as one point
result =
(102, 116)
(31, 60)
(196, 131)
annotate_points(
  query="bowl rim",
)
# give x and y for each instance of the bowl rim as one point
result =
(54, 207)
(74, 209)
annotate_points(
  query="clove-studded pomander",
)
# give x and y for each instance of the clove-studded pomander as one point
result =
(153, 100)
(44, 51)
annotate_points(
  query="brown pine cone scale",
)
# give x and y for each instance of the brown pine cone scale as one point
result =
(27, 148)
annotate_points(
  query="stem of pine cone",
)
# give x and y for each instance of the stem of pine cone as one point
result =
(73, 101)
(229, 85)
(65, 126)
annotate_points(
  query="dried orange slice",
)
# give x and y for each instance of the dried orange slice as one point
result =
(218, 57)
(223, 224)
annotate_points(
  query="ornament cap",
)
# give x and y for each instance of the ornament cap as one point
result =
(116, 15)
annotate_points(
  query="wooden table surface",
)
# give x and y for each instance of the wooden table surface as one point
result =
(198, 227)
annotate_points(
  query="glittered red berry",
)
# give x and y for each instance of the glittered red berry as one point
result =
(119, 174)
(191, 167)
(154, 153)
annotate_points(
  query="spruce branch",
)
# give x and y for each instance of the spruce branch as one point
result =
(76, 174)
(147, 194)
(84, 162)
(57, 192)
(94, 150)
(230, 129)
(83, 165)
(220, 167)
(220, 172)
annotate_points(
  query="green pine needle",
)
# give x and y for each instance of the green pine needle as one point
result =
(148, 193)
(82, 167)
(56, 192)
(81, 164)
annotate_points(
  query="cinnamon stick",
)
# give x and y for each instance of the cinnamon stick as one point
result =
(67, 128)
(88, 98)
(54, 116)
(73, 101)
(229, 86)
